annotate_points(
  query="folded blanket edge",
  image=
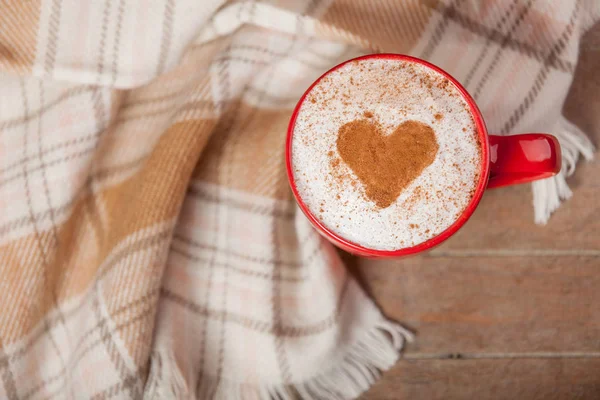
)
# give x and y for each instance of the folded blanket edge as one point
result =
(549, 193)
(361, 364)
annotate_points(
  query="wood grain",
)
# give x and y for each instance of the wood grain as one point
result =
(505, 309)
(491, 304)
(583, 102)
(504, 219)
(510, 379)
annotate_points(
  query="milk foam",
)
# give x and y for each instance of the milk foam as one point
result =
(393, 91)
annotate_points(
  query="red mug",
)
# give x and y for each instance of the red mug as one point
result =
(505, 160)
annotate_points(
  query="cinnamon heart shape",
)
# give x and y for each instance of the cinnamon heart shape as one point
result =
(386, 164)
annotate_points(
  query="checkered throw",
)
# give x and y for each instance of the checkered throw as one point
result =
(149, 244)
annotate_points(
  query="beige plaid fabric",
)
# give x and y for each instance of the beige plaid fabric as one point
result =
(149, 245)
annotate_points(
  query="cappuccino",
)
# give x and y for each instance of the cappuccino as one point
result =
(385, 153)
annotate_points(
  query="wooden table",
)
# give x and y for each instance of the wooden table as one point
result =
(505, 309)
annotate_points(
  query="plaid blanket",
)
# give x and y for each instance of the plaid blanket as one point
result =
(149, 244)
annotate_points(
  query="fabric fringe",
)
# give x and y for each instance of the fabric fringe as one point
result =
(164, 379)
(363, 363)
(548, 193)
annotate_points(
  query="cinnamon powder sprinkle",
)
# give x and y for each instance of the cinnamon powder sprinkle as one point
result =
(386, 164)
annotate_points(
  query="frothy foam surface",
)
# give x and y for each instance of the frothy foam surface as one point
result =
(388, 92)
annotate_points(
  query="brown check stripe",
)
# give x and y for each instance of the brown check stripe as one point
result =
(262, 326)
(542, 75)
(521, 15)
(149, 244)
(492, 34)
(19, 24)
(499, 25)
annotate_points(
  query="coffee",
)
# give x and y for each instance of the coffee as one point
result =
(385, 153)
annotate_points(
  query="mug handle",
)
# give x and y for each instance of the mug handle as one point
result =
(523, 158)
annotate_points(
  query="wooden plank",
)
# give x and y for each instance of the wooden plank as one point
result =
(531, 379)
(507, 294)
(504, 219)
(583, 102)
(490, 304)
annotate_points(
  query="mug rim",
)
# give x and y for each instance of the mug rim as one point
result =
(442, 236)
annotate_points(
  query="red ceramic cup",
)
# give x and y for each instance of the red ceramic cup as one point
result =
(505, 160)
